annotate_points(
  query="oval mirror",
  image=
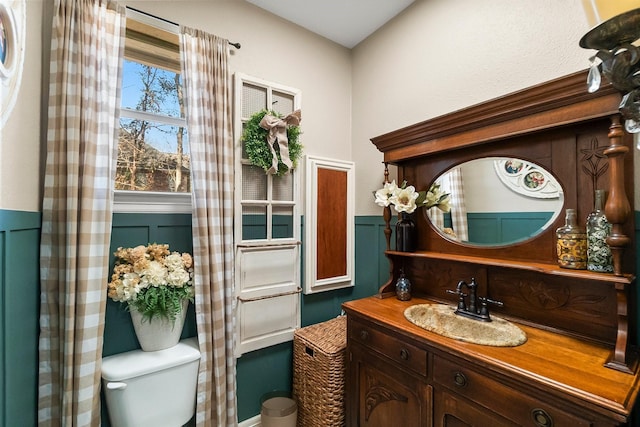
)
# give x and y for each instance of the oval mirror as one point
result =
(497, 201)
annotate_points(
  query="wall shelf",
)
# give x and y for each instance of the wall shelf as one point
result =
(538, 267)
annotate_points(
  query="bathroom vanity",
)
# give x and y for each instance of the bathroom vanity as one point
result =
(578, 366)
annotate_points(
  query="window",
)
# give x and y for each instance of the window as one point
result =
(153, 152)
(267, 202)
(153, 165)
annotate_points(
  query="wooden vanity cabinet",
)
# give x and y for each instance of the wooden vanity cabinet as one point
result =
(388, 376)
(401, 375)
(460, 383)
(387, 396)
(452, 411)
(579, 366)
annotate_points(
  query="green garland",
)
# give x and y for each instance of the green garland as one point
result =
(255, 144)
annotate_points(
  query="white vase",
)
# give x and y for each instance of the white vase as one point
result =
(158, 333)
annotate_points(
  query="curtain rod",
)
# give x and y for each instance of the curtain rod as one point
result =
(236, 44)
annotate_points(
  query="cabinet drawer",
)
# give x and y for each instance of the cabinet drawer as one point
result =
(404, 354)
(514, 405)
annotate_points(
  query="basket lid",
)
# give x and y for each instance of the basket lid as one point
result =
(137, 362)
(330, 336)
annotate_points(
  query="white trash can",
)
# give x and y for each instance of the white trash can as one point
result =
(278, 410)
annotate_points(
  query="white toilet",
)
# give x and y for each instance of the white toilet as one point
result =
(152, 388)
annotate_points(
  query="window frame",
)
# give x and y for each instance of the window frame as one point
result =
(163, 52)
(269, 203)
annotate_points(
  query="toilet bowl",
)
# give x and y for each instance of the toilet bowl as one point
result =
(152, 388)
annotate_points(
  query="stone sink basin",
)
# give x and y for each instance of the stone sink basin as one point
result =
(441, 319)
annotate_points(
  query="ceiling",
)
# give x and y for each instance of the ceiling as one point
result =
(346, 22)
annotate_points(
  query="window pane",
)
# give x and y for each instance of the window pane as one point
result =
(254, 99)
(283, 187)
(151, 89)
(282, 222)
(254, 222)
(152, 157)
(254, 183)
(244, 149)
(282, 103)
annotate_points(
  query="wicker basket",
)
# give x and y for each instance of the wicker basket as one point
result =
(318, 373)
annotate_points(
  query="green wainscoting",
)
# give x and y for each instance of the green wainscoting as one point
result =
(129, 230)
(258, 372)
(491, 228)
(264, 370)
(271, 368)
(19, 312)
(254, 227)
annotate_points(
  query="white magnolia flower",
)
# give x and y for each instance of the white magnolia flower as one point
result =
(405, 199)
(438, 198)
(383, 195)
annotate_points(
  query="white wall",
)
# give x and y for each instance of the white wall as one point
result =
(443, 55)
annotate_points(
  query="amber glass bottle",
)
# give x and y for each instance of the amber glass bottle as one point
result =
(572, 243)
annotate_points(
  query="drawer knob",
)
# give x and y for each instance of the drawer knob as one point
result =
(364, 335)
(459, 379)
(404, 354)
(542, 418)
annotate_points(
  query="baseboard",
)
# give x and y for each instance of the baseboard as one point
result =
(251, 422)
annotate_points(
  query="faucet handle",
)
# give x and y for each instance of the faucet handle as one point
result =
(484, 310)
(461, 296)
(486, 301)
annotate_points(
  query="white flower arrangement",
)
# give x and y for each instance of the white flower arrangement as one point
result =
(152, 279)
(406, 199)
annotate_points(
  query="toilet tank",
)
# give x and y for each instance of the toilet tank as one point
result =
(152, 388)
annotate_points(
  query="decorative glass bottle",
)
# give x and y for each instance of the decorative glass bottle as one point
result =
(599, 256)
(405, 233)
(572, 243)
(403, 288)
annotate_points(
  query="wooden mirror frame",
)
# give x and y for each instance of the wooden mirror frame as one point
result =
(557, 125)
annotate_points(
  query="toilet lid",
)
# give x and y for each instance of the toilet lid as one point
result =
(135, 363)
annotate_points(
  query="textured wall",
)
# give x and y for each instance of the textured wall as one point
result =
(439, 56)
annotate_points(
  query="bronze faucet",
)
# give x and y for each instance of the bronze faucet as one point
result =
(471, 310)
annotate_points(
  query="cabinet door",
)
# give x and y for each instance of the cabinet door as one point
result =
(379, 394)
(454, 411)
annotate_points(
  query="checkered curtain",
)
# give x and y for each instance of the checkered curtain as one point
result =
(451, 182)
(208, 93)
(458, 208)
(87, 45)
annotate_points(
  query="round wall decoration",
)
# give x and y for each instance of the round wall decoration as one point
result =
(12, 44)
(256, 143)
(527, 178)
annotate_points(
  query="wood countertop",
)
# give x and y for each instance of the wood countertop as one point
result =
(561, 365)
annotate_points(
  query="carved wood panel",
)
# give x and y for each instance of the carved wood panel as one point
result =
(379, 395)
